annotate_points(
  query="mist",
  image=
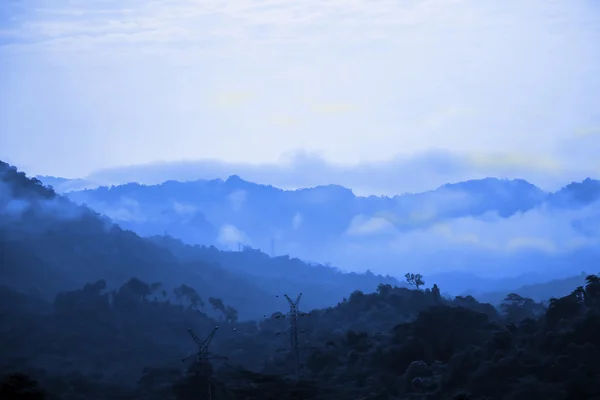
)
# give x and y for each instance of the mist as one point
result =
(403, 173)
(488, 228)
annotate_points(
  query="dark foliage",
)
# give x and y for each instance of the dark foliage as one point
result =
(396, 343)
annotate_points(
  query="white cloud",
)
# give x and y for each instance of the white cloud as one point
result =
(229, 235)
(297, 221)
(127, 209)
(15, 207)
(56, 208)
(363, 226)
(545, 241)
(237, 199)
(184, 208)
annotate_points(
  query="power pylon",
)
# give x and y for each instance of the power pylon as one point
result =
(293, 315)
(203, 357)
(202, 345)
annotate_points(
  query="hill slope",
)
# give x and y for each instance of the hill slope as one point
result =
(51, 244)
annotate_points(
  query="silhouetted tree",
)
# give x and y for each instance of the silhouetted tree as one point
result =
(230, 313)
(435, 292)
(415, 280)
(592, 290)
(384, 289)
(517, 308)
(217, 304)
(139, 288)
(185, 292)
(566, 307)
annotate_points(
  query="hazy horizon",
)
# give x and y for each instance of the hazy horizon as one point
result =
(506, 87)
(302, 170)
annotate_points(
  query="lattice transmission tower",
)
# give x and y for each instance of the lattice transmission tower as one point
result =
(203, 357)
(293, 315)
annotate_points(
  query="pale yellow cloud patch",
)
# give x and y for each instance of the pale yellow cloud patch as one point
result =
(439, 119)
(587, 132)
(445, 230)
(333, 108)
(228, 100)
(390, 216)
(285, 121)
(532, 243)
(442, 229)
(513, 160)
(423, 215)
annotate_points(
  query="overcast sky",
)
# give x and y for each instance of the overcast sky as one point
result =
(88, 85)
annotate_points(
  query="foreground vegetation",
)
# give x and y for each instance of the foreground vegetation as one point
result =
(396, 343)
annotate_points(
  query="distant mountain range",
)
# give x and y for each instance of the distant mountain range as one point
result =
(195, 211)
(490, 227)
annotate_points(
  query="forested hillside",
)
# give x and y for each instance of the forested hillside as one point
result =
(311, 215)
(394, 344)
(50, 244)
(489, 228)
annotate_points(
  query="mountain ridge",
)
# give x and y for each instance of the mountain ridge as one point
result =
(576, 188)
(213, 197)
(491, 227)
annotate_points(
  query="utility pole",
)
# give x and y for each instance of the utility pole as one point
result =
(203, 357)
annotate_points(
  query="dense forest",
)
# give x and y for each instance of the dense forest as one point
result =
(395, 343)
(91, 311)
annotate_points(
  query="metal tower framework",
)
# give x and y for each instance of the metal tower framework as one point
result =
(293, 314)
(203, 356)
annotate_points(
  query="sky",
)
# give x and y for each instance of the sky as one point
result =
(426, 91)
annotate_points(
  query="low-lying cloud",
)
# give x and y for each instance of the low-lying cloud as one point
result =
(402, 174)
(555, 242)
(229, 235)
(237, 199)
(297, 221)
(16, 211)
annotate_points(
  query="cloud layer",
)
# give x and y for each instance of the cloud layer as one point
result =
(416, 173)
(130, 82)
(547, 242)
